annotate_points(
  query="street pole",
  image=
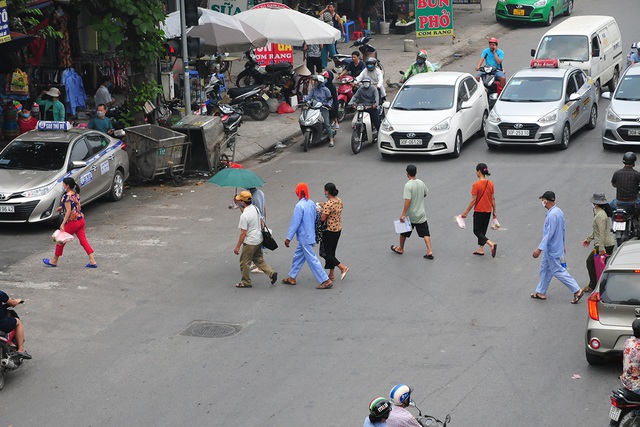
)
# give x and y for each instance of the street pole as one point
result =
(185, 59)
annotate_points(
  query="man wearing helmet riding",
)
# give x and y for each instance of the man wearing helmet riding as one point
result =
(399, 417)
(375, 74)
(368, 95)
(631, 360)
(379, 410)
(493, 57)
(626, 181)
(320, 93)
(420, 66)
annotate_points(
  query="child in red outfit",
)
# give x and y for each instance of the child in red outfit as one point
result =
(26, 121)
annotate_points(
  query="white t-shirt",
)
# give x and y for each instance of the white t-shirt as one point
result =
(250, 221)
(102, 96)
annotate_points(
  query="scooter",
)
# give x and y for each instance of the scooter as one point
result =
(117, 114)
(279, 74)
(366, 49)
(362, 128)
(312, 124)
(625, 408)
(491, 84)
(10, 360)
(230, 115)
(345, 93)
(428, 420)
(625, 224)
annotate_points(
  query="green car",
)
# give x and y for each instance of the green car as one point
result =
(532, 10)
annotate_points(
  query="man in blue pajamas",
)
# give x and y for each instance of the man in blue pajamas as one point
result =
(303, 226)
(552, 249)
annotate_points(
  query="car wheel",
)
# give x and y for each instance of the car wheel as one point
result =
(550, 17)
(566, 135)
(117, 187)
(457, 146)
(614, 80)
(569, 8)
(592, 359)
(484, 121)
(593, 117)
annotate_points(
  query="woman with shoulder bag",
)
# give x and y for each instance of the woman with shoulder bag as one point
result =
(332, 214)
(72, 223)
(601, 235)
(483, 203)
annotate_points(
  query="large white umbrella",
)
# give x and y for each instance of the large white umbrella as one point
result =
(219, 32)
(289, 26)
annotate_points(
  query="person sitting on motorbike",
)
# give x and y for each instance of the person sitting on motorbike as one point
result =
(368, 95)
(379, 410)
(420, 66)
(493, 57)
(321, 93)
(635, 57)
(333, 113)
(626, 181)
(353, 68)
(631, 360)
(375, 74)
(399, 417)
(9, 323)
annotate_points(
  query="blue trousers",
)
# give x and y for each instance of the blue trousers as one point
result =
(305, 253)
(550, 267)
(328, 50)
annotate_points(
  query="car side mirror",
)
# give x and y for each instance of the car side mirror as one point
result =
(574, 96)
(386, 105)
(596, 52)
(533, 53)
(77, 164)
(606, 95)
(119, 133)
(464, 105)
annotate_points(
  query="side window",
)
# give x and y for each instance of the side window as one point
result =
(79, 150)
(580, 79)
(96, 142)
(571, 85)
(462, 93)
(595, 46)
(472, 86)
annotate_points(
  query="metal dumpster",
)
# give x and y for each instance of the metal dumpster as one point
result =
(206, 135)
(156, 151)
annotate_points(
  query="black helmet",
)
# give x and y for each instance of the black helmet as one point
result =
(636, 328)
(629, 158)
(380, 407)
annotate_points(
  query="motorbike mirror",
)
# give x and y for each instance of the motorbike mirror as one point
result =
(401, 72)
(447, 419)
(533, 53)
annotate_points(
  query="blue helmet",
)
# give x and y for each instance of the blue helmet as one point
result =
(401, 394)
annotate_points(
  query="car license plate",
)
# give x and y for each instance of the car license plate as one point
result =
(410, 142)
(518, 12)
(634, 132)
(614, 413)
(517, 132)
(619, 226)
(7, 209)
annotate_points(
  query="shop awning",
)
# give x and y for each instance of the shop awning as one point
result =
(18, 41)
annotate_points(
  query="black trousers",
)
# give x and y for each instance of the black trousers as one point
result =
(591, 265)
(330, 240)
(314, 63)
(480, 224)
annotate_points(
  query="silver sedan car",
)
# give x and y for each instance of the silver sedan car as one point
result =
(34, 164)
(622, 123)
(542, 105)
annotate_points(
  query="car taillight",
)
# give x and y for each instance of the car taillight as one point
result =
(619, 218)
(593, 305)
(123, 146)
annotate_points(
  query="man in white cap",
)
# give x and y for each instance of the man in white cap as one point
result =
(50, 107)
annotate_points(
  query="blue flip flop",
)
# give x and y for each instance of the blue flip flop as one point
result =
(47, 261)
(91, 265)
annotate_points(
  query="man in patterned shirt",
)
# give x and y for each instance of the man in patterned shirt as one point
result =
(626, 182)
(631, 360)
(399, 417)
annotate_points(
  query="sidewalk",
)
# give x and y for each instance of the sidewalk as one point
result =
(470, 26)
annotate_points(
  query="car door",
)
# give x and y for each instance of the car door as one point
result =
(584, 90)
(571, 109)
(596, 60)
(464, 116)
(478, 107)
(102, 160)
(84, 176)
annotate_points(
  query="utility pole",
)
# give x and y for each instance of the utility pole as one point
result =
(185, 59)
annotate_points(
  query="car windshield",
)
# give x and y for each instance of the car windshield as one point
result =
(619, 287)
(564, 48)
(424, 97)
(532, 89)
(34, 155)
(629, 89)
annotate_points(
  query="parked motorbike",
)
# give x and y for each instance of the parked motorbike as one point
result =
(625, 408)
(362, 128)
(230, 115)
(313, 9)
(366, 49)
(117, 113)
(345, 93)
(491, 83)
(625, 224)
(428, 420)
(279, 74)
(312, 124)
(10, 360)
(340, 61)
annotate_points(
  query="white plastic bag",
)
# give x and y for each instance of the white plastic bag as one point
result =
(62, 237)
(495, 224)
(461, 222)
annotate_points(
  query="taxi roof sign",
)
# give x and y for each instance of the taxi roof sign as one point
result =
(545, 63)
(50, 125)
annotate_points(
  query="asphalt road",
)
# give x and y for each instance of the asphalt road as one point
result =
(460, 329)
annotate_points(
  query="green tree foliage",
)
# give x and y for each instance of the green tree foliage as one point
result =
(23, 19)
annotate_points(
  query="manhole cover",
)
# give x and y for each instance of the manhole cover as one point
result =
(200, 328)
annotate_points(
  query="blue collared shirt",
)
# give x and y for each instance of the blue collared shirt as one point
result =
(303, 222)
(553, 233)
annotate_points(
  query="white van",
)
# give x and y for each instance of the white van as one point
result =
(591, 43)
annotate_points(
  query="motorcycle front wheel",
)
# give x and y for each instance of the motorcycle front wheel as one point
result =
(356, 139)
(342, 110)
(260, 113)
(245, 78)
(307, 140)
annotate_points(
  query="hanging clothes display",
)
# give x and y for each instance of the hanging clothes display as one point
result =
(76, 96)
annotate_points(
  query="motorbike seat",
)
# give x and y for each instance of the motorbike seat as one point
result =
(233, 117)
(279, 66)
(237, 91)
(630, 396)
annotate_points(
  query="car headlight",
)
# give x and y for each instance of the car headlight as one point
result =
(612, 116)
(550, 117)
(386, 126)
(540, 3)
(443, 125)
(38, 192)
(494, 117)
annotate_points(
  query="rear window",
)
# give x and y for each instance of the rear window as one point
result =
(620, 287)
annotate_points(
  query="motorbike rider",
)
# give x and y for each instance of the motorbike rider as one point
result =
(375, 74)
(9, 323)
(368, 95)
(626, 181)
(493, 57)
(333, 113)
(399, 417)
(420, 66)
(321, 93)
(634, 57)
(379, 410)
(353, 68)
(631, 360)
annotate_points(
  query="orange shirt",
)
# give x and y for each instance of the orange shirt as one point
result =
(483, 190)
(25, 125)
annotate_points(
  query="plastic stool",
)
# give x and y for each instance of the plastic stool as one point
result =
(356, 35)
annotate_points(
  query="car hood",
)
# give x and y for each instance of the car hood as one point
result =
(423, 120)
(628, 110)
(17, 180)
(523, 111)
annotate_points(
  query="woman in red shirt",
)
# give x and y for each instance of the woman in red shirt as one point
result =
(26, 121)
(483, 203)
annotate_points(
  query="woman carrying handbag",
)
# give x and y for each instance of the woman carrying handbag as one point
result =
(601, 236)
(483, 203)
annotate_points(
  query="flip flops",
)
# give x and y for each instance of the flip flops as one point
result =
(478, 253)
(428, 256)
(274, 278)
(494, 249)
(344, 273)
(47, 261)
(91, 265)
(242, 285)
(538, 296)
(577, 296)
(289, 281)
(394, 249)
(327, 284)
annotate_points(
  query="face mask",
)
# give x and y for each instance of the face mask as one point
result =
(420, 61)
(326, 196)
(101, 114)
(26, 115)
(544, 203)
(366, 84)
(370, 66)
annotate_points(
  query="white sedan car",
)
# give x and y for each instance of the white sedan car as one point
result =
(433, 114)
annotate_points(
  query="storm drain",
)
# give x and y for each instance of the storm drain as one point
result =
(204, 329)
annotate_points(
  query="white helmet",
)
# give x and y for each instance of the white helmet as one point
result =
(319, 78)
(401, 394)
